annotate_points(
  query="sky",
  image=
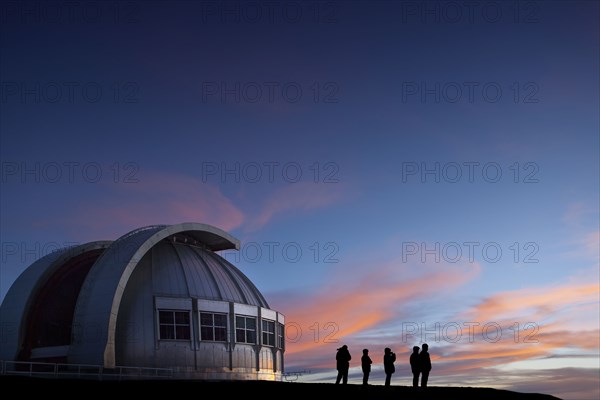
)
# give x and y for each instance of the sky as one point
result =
(398, 172)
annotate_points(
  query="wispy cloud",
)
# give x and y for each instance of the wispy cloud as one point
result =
(351, 304)
(537, 303)
(107, 210)
(578, 213)
(520, 325)
(158, 198)
(294, 199)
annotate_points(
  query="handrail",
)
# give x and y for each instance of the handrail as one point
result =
(121, 372)
(33, 368)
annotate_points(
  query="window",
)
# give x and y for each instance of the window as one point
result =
(245, 329)
(280, 336)
(213, 327)
(268, 332)
(174, 325)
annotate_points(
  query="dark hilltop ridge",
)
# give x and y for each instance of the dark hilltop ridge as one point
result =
(256, 388)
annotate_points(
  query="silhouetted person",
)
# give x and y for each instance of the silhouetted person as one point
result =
(366, 362)
(425, 364)
(342, 358)
(415, 366)
(388, 365)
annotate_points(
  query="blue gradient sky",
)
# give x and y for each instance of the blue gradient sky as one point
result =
(130, 114)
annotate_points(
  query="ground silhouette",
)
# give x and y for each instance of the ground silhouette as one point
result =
(77, 388)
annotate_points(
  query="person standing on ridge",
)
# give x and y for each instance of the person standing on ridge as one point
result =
(366, 362)
(342, 358)
(388, 364)
(415, 366)
(425, 364)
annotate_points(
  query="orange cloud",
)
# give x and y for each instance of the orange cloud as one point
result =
(465, 358)
(542, 316)
(535, 302)
(353, 304)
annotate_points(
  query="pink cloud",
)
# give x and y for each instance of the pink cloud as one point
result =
(350, 304)
(162, 198)
(296, 198)
(158, 198)
(535, 303)
(543, 325)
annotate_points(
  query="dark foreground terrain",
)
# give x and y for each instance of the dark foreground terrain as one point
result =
(64, 388)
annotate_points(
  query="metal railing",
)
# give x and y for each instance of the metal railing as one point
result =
(294, 375)
(81, 371)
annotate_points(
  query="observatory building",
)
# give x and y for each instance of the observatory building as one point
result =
(157, 297)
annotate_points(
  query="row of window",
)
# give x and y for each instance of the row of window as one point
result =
(176, 325)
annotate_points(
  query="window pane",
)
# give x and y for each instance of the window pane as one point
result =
(270, 339)
(240, 322)
(251, 323)
(281, 335)
(250, 337)
(271, 326)
(206, 319)
(240, 335)
(220, 334)
(220, 320)
(206, 333)
(165, 317)
(167, 332)
(182, 317)
(182, 332)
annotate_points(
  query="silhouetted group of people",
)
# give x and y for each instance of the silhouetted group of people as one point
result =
(420, 365)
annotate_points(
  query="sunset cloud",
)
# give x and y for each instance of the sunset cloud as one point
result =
(524, 324)
(507, 328)
(535, 303)
(351, 304)
(158, 198)
(296, 198)
(109, 210)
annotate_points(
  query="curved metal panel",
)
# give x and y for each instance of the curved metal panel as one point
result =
(101, 294)
(250, 292)
(227, 284)
(171, 281)
(14, 308)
